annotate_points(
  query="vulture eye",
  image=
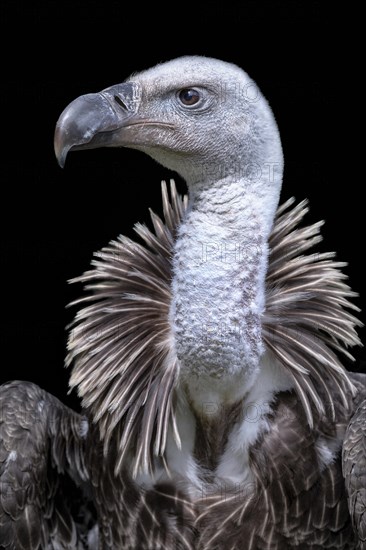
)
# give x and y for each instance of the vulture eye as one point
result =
(189, 96)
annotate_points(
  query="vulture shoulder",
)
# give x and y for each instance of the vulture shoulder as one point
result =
(354, 461)
(43, 480)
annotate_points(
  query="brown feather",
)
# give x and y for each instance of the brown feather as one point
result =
(120, 344)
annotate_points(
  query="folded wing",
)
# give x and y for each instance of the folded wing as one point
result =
(44, 488)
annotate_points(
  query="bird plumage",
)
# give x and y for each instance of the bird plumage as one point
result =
(207, 354)
(43, 477)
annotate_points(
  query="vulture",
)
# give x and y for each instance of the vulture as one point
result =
(216, 411)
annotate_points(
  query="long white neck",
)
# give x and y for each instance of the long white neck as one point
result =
(220, 263)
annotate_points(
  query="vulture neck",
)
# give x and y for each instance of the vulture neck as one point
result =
(219, 269)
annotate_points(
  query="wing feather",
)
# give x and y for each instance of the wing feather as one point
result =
(354, 464)
(41, 468)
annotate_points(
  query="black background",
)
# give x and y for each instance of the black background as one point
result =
(53, 220)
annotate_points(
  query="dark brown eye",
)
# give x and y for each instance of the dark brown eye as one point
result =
(189, 96)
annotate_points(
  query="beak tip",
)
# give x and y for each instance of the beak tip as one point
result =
(61, 160)
(60, 147)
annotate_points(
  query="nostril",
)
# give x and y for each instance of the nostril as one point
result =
(120, 102)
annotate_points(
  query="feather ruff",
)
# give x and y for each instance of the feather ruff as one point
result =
(120, 343)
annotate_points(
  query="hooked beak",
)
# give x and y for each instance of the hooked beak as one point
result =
(98, 120)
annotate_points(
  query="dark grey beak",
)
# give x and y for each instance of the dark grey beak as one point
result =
(95, 120)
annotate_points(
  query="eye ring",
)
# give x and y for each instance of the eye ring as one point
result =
(189, 96)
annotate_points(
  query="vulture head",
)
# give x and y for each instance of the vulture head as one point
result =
(201, 117)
